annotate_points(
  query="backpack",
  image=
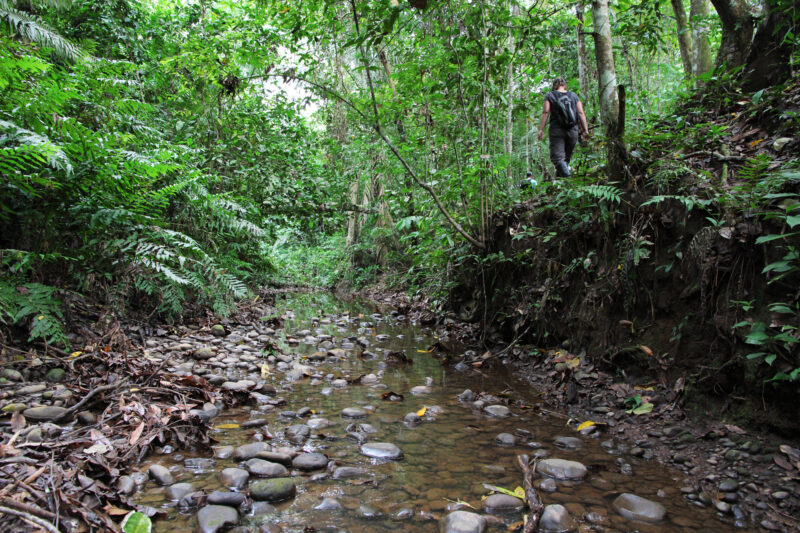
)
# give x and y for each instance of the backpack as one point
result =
(567, 108)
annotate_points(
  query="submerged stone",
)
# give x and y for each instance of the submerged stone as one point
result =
(556, 519)
(213, 518)
(562, 469)
(273, 490)
(635, 507)
(382, 450)
(463, 522)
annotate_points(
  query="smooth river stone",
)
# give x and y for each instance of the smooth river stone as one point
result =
(354, 412)
(381, 450)
(317, 423)
(497, 411)
(213, 518)
(234, 478)
(635, 507)
(562, 469)
(463, 522)
(44, 413)
(310, 461)
(178, 490)
(568, 443)
(556, 519)
(502, 503)
(346, 472)
(262, 468)
(160, 475)
(273, 490)
(248, 451)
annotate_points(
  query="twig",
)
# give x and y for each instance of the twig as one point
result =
(72, 410)
(531, 496)
(26, 508)
(36, 521)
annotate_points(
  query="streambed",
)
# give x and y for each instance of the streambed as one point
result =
(326, 390)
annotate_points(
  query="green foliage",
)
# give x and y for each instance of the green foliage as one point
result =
(35, 307)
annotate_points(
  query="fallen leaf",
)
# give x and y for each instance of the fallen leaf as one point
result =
(752, 144)
(793, 453)
(646, 350)
(519, 492)
(585, 425)
(421, 412)
(73, 355)
(735, 429)
(226, 426)
(17, 421)
(136, 433)
(264, 370)
(99, 448)
(783, 463)
(114, 511)
(640, 387)
(641, 409)
(136, 522)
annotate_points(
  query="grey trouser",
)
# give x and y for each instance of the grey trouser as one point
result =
(562, 143)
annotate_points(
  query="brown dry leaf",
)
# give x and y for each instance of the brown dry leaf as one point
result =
(136, 434)
(783, 463)
(792, 453)
(17, 421)
(114, 511)
(735, 429)
(646, 350)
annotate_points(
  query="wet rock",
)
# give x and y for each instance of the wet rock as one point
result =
(506, 439)
(87, 418)
(502, 503)
(403, 514)
(223, 497)
(354, 412)
(567, 443)
(126, 485)
(178, 490)
(463, 522)
(412, 419)
(561, 469)
(276, 457)
(369, 378)
(310, 461)
(160, 474)
(547, 484)
(14, 408)
(556, 519)
(328, 504)
(199, 464)
(273, 490)
(234, 478)
(298, 432)
(635, 507)
(420, 390)
(11, 374)
(45, 413)
(224, 452)
(262, 468)
(382, 450)
(218, 330)
(254, 423)
(213, 518)
(729, 485)
(348, 472)
(368, 511)
(204, 352)
(262, 508)
(497, 411)
(303, 412)
(55, 375)
(238, 386)
(248, 451)
(466, 396)
(191, 501)
(32, 389)
(318, 423)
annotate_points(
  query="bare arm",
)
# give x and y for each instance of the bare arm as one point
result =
(582, 119)
(545, 114)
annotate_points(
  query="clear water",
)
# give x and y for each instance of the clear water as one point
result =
(446, 459)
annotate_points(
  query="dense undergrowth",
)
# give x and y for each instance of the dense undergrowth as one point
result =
(689, 272)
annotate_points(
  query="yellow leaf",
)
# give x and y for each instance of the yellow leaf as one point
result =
(73, 355)
(423, 351)
(575, 362)
(313, 412)
(40, 317)
(585, 425)
(421, 412)
(519, 491)
(755, 143)
(639, 387)
(227, 426)
(264, 370)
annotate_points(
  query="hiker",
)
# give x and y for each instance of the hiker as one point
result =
(566, 120)
(528, 182)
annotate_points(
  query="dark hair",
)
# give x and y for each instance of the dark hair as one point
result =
(558, 82)
(529, 173)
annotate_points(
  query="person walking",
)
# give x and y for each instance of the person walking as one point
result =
(567, 122)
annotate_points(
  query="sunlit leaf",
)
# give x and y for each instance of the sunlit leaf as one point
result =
(642, 409)
(585, 425)
(264, 370)
(226, 426)
(422, 411)
(136, 522)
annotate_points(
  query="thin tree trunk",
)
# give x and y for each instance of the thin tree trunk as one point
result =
(583, 77)
(684, 37)
(509, 137)
(701, 49)
(607, 90)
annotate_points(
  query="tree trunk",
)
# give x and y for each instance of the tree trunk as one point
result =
(607, 91)
(509, 136)
(737, 32)
(684, 37)
(769, 60)
(701, 50)
(583, 77)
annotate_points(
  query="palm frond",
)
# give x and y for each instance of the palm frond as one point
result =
(33, 29)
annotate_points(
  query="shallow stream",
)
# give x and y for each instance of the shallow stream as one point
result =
(447, 457)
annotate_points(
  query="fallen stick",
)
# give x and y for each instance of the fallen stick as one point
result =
(531, 496)
(30, 509)
(35, 520)
(74, 409)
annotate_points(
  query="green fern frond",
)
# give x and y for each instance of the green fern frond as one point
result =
(28, 145)
(33, 29)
